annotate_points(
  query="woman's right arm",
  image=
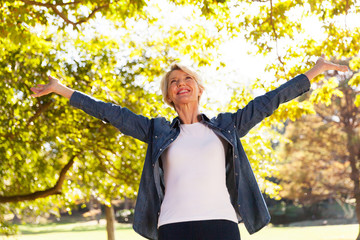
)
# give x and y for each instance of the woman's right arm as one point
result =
(126, 121)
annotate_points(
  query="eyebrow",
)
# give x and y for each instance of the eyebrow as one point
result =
(187, 75)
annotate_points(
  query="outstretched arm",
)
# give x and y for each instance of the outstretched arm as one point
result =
(53, 86)
(122, 118)
(263, 106)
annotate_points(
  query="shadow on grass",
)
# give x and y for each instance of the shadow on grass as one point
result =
(318, 223)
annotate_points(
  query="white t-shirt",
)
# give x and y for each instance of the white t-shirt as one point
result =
(195, 177)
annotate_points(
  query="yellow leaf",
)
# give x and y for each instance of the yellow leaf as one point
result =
(355, 80)
(355, 64)
(357, 101)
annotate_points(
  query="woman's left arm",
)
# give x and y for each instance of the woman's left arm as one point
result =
(263, 106)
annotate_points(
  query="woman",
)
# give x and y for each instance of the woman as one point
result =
(197, 182)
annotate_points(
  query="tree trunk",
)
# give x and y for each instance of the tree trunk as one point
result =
(126, 203)
(110, 220)
(353, 158)
(357, 195)
(347, 209)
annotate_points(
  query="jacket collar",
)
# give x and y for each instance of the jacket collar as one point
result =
(176, 121)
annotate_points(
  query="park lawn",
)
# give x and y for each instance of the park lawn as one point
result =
(92, 231)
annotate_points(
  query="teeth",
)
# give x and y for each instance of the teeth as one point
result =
(183, 91)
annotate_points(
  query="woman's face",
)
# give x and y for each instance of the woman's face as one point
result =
(183, 88)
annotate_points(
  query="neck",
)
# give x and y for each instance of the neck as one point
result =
(188, 114)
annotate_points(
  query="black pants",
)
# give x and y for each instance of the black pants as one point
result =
(200, 230)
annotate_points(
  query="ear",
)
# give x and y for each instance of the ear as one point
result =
(200, 91)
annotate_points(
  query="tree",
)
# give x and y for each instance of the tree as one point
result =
(48, 149)
(274, 33)
(322, 159)
(38, 37)
(316, 165)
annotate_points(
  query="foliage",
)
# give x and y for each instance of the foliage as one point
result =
(292, 47)
(321, 160)
(315, 166)
(125, 216)
(38, 137)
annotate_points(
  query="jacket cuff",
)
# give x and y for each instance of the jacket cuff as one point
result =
(77, 99)
(303, 83)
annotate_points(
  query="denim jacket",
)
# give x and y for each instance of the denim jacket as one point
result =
(159, 133)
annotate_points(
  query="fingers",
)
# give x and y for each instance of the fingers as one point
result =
(338, 67)
(43, 89)
(342, 68)
(36, 95)
(332, 66)
(36, 89)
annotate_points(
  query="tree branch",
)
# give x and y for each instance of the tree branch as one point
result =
(323, 116)
(41, 109)
(44, 193)
(117, 169)
(104, 167)
(48, 4)
(92, 13)
(275, 34)
(62, 15)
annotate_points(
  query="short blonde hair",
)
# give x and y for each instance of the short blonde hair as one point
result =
(165, 80)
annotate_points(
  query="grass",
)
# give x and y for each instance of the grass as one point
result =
(91, 230)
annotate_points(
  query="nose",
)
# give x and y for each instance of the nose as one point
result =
(181, 82)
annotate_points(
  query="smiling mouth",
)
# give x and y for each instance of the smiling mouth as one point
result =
(183, 92)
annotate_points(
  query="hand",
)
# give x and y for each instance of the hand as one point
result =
(322, 65)
(326, 65)
(41, 89)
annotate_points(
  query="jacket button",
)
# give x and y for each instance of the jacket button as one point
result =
(172, 139)
(236, 174)
(228, 131)
(158, 213)
(153, 165)
(155, 136)
(235, 156)
(160, 149)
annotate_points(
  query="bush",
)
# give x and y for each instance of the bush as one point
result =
(283, 213)
(125, 216)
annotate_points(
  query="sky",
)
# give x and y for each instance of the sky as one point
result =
(241, 68)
